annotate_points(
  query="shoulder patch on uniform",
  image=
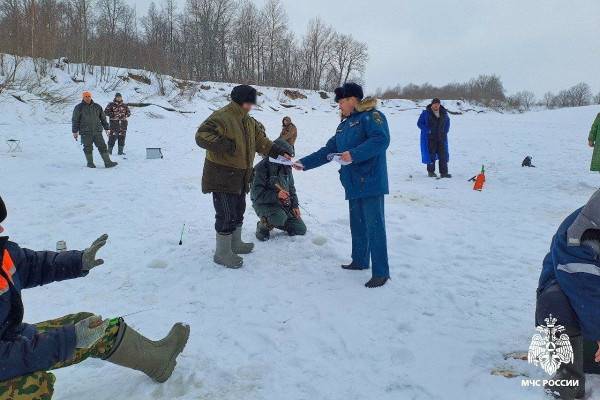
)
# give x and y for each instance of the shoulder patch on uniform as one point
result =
(377, 117)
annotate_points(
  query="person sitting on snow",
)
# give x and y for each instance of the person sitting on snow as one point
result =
(27, 351)
(434, 123)
(360, 144)
(274, 197)
(569, 290)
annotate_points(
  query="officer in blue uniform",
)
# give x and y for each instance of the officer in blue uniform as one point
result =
(569, 289)
(360, 142)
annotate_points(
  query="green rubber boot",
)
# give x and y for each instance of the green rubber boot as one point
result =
(224, 255)
(90, 160)
(237, 246)
(157, 359)
(107, 162)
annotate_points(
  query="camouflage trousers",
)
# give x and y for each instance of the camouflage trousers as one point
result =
(40, 385)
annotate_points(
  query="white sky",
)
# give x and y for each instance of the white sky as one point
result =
(538, 45)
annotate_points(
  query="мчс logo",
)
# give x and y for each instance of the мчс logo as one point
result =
(547, 349)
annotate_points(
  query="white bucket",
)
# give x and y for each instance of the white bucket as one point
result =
(153, 153)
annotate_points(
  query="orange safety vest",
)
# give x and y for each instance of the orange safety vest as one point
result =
(8, 267)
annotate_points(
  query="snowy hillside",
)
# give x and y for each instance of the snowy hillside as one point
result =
(291, 324)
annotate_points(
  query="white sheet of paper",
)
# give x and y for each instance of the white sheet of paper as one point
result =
(338, 159)
(281, 160)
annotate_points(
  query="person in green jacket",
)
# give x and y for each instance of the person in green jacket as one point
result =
(88, 121)
(594, 141)
(231, 138)
(274, 197)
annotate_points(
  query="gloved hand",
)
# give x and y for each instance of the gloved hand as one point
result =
(89, 255)
(89, 331)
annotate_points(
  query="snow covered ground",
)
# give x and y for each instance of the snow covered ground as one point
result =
(291, 324)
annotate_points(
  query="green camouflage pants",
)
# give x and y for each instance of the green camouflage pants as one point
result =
(40, 385)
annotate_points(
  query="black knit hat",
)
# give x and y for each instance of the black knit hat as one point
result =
(349, 89)
(243, 94)
(436, 101)
(2, 210)
(118, 95)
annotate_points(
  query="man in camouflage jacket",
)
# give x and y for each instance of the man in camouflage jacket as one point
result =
(117, 112)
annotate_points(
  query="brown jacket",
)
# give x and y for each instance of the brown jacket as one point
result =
(231, 138)
(289, 133)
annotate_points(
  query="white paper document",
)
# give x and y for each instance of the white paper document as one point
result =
(281, 160)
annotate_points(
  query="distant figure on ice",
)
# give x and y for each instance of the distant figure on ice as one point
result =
(594, 141)
(434, 123)
(274, 197)
(117, 113)
(289, 132)
(360, 142)
(27, 351)
(231, 138)
(88, 120)
(569, 289)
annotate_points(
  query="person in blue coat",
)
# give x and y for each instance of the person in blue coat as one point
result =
(569, 290)
(28, 351)
(434, 123)
(360, 144)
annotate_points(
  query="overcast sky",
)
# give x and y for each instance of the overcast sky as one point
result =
(538, 45)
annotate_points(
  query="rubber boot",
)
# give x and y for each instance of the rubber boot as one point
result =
(110, 149)
(90, 160)
(237, 246)
(157, 359)
(568, 372)
(107, 162)
(263, 232)
(376, 282)
(224, 255)
(121, 150)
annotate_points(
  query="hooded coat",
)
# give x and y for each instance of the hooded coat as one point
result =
(576, 269)
(231, 138)
(426, 124)
(22, 349)
(365, 134)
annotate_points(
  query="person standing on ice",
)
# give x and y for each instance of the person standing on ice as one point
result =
(594, 141)
(360, 142)
(434, 123)
(88, 120)
(274, 197)
(231, 138)
(289, 132)
(28, 351)
(117, 112)
(569, 290)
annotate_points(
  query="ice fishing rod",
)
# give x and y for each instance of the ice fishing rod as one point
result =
(181, 237)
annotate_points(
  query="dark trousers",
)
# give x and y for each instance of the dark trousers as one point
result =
(553, 300)
(118, 129)
(229, 209)
(437, 149)
(90, 139)
(369, 242)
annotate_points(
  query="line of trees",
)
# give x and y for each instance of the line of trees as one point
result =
(488, 90)
(216, 40)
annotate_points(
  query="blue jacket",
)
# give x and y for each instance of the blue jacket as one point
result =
(365, 134)
(424, 125)
(22, 349)
(576, 269)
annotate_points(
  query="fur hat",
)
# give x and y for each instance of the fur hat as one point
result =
(3, 212)
(243, 94)
(588, 218)
(349, 89)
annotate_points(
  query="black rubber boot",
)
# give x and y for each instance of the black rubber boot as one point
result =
(432, 175)
(110, 149)
(376, 282)
(121, 152)
(263, 232)
(447, 176)
(570, 372)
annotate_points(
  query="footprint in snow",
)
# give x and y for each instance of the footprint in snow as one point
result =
(158, 264)
(319, 240)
